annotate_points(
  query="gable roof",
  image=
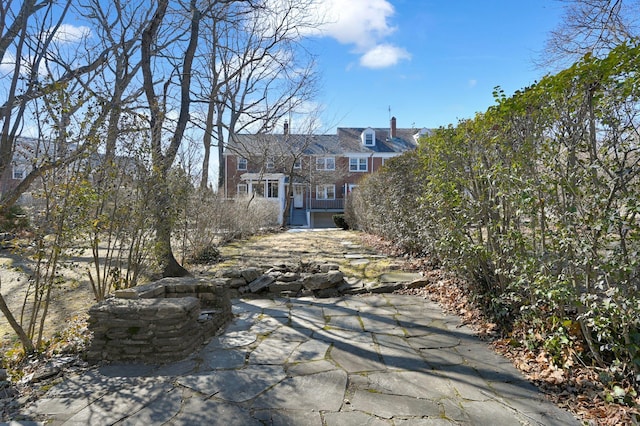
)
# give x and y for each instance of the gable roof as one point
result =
(278, 144)
(347, 140)
(350, 141)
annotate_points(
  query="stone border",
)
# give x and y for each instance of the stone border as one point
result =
(158, 322)
(315, 279)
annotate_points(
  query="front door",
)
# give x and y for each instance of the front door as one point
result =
(298, 196)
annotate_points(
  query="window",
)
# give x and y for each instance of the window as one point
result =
(325, 192)
(358, 164)
(242, 189)
(325, 163)
(242, 164)
(18, 173)
(272, 188)
(297, 164)
(271, 163)
(258, 189)
(368, 139)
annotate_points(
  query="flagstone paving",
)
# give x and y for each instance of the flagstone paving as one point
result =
(375, 360)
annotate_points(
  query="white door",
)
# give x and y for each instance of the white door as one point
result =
(298, 196)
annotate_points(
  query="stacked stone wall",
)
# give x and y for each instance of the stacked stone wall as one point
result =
(158, 322)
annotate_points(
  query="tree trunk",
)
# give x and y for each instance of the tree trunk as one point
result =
(206, 140)
(221, 163)
(24, 339)
(161, 162)
(163, 226)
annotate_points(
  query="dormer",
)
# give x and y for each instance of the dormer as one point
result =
(421, 133)
(368, 137)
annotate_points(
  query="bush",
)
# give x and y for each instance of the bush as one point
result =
(340, 221)
(207, 255)
(535, 202)
(13, 219)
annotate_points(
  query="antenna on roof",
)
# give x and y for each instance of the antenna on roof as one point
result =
(389, 112)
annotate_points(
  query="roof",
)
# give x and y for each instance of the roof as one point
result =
(350, 141)
(347, 140)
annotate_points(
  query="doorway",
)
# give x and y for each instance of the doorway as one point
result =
(298, 196)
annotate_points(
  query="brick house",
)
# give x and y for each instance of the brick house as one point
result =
(310, 175)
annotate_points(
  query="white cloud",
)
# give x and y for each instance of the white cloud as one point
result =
(364, 24)
(359, 22)
(67, 33)
(473, 82)
(8, 63)
(383, 55)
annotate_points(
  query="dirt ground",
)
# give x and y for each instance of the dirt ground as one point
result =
(75, 296)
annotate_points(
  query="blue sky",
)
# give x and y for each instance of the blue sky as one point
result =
(432, 62)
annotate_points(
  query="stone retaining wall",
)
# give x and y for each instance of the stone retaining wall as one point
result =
(162, 321)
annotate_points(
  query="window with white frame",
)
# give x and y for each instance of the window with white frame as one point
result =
(297, 164)
(258, 188)
(325, 163)
(325, 192)
(242, 189)
(358, 164)
(272, 188)
(270, 163)
(18, 173)
(242, 164)
(368, 137)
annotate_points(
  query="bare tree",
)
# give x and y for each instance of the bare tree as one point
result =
(591, 26)
(180, 68)
(259, 70)
(31, 43)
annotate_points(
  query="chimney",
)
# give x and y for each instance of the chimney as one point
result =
(393, 132)
(286, 127)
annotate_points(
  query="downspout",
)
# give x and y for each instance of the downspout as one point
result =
(226, 177)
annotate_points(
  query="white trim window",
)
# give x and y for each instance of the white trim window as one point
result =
(271, 163)
(358, 164)
(242, 163)
(325, 192)
(325, 163)
(242, 189)
(272, 188)
(18, 173)
(368, 137)
(257, 188)
(297, 164)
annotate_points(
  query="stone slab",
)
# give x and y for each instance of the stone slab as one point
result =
(299, 417)
(235, 385)
(272, 351)
(354, 418)
(398, 277)
(196, 411)
(389, 406)
(158, 411)
(321, 391)
(312, 350)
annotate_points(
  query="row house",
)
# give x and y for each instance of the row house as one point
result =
(310, 175)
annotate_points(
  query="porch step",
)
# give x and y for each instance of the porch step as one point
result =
(298, 217)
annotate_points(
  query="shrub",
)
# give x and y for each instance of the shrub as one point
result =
(535, 202)
(13, 219)
(340, 221)
(206, 255)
